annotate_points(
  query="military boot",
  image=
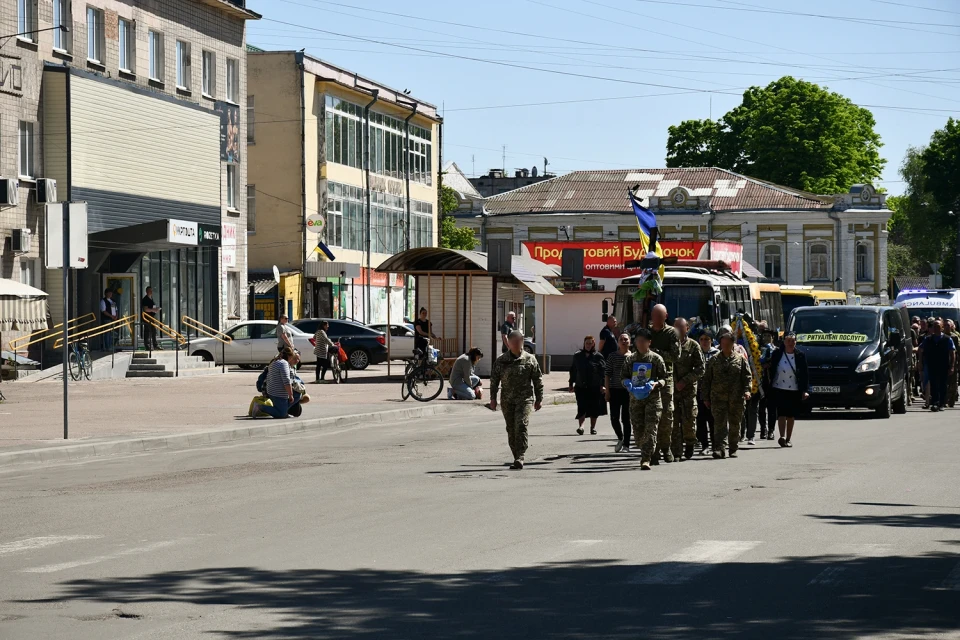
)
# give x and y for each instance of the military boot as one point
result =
(667, 455)
(688, 451)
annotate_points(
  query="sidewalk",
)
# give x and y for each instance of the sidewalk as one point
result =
(32, 416)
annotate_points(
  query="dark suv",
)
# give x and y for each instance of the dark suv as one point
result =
(364, 346)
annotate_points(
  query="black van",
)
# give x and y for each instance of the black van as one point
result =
(856, 356)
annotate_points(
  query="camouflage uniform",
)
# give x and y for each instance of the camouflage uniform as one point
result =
(645, 414)
(688, 370)
(522, 386)
(952, 378)
(666, 344)
(726, 380)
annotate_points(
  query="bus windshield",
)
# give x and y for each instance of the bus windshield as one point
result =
(689, 302)
(825, 325)
(791, 302)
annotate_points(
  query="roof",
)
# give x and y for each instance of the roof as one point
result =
(606, 191)
(527, 271)
(454, 178)
(262, 287)
(233, 8)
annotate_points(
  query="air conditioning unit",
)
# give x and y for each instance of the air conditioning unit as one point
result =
(20, 243)
(46, 190)
(9, 192)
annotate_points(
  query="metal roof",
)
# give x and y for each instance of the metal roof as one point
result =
(606, 192)
(429, 260)
(454, 178)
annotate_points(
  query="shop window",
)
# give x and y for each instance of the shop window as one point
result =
(127, 46)
(95, 41)
(209, 74)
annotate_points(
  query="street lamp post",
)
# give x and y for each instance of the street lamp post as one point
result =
(64, 28)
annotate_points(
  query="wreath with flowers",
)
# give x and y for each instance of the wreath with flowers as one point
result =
(746, 337)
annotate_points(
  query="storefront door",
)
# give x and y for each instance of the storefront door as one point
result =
(125, 296)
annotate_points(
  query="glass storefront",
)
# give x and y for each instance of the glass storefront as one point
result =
(181, 278)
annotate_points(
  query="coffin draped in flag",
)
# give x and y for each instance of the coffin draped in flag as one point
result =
(647, 224)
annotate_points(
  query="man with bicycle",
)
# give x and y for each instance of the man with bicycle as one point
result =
(519, 372)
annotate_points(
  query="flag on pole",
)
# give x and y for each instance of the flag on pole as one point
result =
(324, 252)
(647, 224)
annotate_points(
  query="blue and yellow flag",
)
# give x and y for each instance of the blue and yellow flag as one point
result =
(646, 223)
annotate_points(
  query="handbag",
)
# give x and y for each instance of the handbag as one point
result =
(297, 385)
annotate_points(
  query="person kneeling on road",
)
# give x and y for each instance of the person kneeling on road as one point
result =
(280, 379)
(464, 383)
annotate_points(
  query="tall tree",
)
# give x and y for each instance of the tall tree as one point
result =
(452, 236)
(791, 132)
(932, 176)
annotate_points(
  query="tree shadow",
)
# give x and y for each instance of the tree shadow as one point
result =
(788, 599)
(911, 520)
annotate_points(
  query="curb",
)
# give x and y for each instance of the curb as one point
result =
(251, 429)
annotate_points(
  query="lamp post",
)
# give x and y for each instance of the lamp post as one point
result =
(64, 28)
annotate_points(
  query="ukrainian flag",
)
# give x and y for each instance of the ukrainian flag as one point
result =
(646, 223)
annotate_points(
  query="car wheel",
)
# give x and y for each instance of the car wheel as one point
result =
(359, 359)
(885, 409)
(203, 354)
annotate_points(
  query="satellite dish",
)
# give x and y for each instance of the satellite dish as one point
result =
(276, 274)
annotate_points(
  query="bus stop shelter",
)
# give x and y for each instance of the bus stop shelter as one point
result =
(463, 299)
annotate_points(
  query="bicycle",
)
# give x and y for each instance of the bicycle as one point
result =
(80, 362)
(423, 380)
(337, 369)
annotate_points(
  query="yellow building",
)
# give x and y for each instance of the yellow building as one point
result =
(337, 159)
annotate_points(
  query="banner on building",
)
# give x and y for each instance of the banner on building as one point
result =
(605, 259)
(229, 131)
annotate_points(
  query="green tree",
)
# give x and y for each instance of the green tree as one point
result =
(452, 236)
(902, 260)
(791, 132)
(932, 177)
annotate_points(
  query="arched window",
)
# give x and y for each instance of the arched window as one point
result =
(773, 262)
(863, 262)
(819, 261)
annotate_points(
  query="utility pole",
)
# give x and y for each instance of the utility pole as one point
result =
(504, 160)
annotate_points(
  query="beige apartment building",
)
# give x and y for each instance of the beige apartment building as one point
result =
(139, 110)
(337, 161)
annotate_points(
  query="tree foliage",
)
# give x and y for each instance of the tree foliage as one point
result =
(452, 236)
(791, 132)
(922, 220)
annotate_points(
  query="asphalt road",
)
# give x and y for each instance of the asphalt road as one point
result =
(418, 530)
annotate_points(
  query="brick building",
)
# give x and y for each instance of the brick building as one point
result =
(138, 109)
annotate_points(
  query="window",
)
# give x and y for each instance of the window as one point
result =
(61, 18)
(242, 332)
(251, 121)
(95, 41)
(183, 65)
(251, 208)
(209, 73)
(25, 151)
(127, 43)
(233, 294)
(863, 263)
(28, 272)
(27, 19)
(819, 262)
(233, 80)
(231, 186)
(773, 262)
(156, 56)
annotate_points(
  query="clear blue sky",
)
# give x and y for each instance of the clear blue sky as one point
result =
(901, 57)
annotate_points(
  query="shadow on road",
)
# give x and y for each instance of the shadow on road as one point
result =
(921, 520)
(787, 600)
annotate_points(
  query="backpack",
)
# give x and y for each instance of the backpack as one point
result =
(262, 380)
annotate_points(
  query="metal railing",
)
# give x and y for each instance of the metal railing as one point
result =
(31, 339)
(210, 332)
(98, 330)
(170, 332)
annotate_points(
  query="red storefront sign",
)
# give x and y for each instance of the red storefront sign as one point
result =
(605, 259)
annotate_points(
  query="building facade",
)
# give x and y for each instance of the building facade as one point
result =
(834, 242)
(342, 162)
(139, 110)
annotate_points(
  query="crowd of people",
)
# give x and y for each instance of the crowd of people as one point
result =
(935, 346)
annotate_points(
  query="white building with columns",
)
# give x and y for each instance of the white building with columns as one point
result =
(836, 241)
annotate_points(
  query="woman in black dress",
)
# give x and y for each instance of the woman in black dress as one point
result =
(586, 380)
(423, 331)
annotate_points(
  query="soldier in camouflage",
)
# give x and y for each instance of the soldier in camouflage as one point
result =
(665, 343)
(726, 387)
(519, 373)
(687, 371)
(640, 367)
(950, 330)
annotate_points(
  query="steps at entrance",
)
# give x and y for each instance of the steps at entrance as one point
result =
(163, 364)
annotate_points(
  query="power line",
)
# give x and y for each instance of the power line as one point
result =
(910, 6)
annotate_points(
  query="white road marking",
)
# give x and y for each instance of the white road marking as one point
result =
(63, 566)
(29, 544)
(692, 561)
(837, 573)
(565, 549)
(950, 583)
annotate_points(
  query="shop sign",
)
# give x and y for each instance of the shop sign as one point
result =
(228, 234)
(209, 235)
(11, 75)
(606, 259)
(315, 223)
(229, 256)
(182, 232)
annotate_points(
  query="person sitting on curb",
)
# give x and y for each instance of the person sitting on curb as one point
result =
(464, 384)
(280, 377)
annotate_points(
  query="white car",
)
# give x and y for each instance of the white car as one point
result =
(401, 340)
(254, 344)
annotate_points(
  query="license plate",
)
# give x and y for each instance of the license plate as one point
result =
(822, 389)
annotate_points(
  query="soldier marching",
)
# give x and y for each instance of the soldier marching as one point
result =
(518, 372)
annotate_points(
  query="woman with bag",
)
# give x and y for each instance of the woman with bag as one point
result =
(322, 349)
(281, 380)
(789, 383)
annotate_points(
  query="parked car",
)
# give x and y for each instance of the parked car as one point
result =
(364, 346)
(401, 340)
(254, 343)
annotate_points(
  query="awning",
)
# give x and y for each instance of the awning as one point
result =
(326, 269)
(750, 272)
(22, 307)
(263, 287)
